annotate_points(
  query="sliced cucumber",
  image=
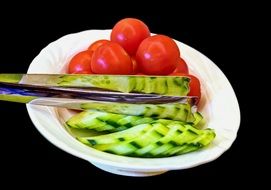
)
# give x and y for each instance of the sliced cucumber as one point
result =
(117, 137)
(175, 111)
(202, 139)
(102, 121)
(166, 85)
(152, 140)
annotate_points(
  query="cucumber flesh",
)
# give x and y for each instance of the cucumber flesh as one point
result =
(109, 122)
(166, 85)
(102, 121)
(175, 111)
(130, 146)
(152, 140)
(116, 137)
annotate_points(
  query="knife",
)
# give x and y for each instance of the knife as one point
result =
(73, 90)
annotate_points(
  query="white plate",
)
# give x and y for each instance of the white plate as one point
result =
(219, 106)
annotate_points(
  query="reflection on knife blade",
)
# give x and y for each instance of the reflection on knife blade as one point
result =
(89, 94)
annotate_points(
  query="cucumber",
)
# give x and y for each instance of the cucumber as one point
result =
(160, 142)
(152, 140)
(122, 84)
(109, 122)
(197, 118)
(174, 111)
(165, 85)
(203, 139)
(10, 78)
(128, 147)
(16, 98)
(102, 121)
(117, 137)
(139, 85)
(174, 82)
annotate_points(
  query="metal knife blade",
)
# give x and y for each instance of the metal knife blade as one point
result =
(88, 94)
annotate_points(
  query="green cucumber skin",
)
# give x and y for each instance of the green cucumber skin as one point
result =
(174, 111)
(102, 121)
(152, 140)
(17, 98)
(172, 86)
(110, 122)
(122, 84)
(117, 137)
(11, 78)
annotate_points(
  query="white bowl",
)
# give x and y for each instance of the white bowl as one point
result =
(219, 106)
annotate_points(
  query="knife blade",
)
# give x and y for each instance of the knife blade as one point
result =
(16, 89)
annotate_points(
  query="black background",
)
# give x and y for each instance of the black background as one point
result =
(27, 155)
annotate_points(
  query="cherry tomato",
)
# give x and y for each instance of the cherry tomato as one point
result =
(129, 33)
(194, 84)
(157, 55)
(181, 67)
(97, 44)
(80, 63)
(111, 58)
(135, 66)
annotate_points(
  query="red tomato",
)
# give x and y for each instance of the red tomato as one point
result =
(157, 55)
(140, 74)
(80, 63)
(111, 58)
(181, 67)
(97, 44)
(194, 84)
(129, 33)
(135, 66)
